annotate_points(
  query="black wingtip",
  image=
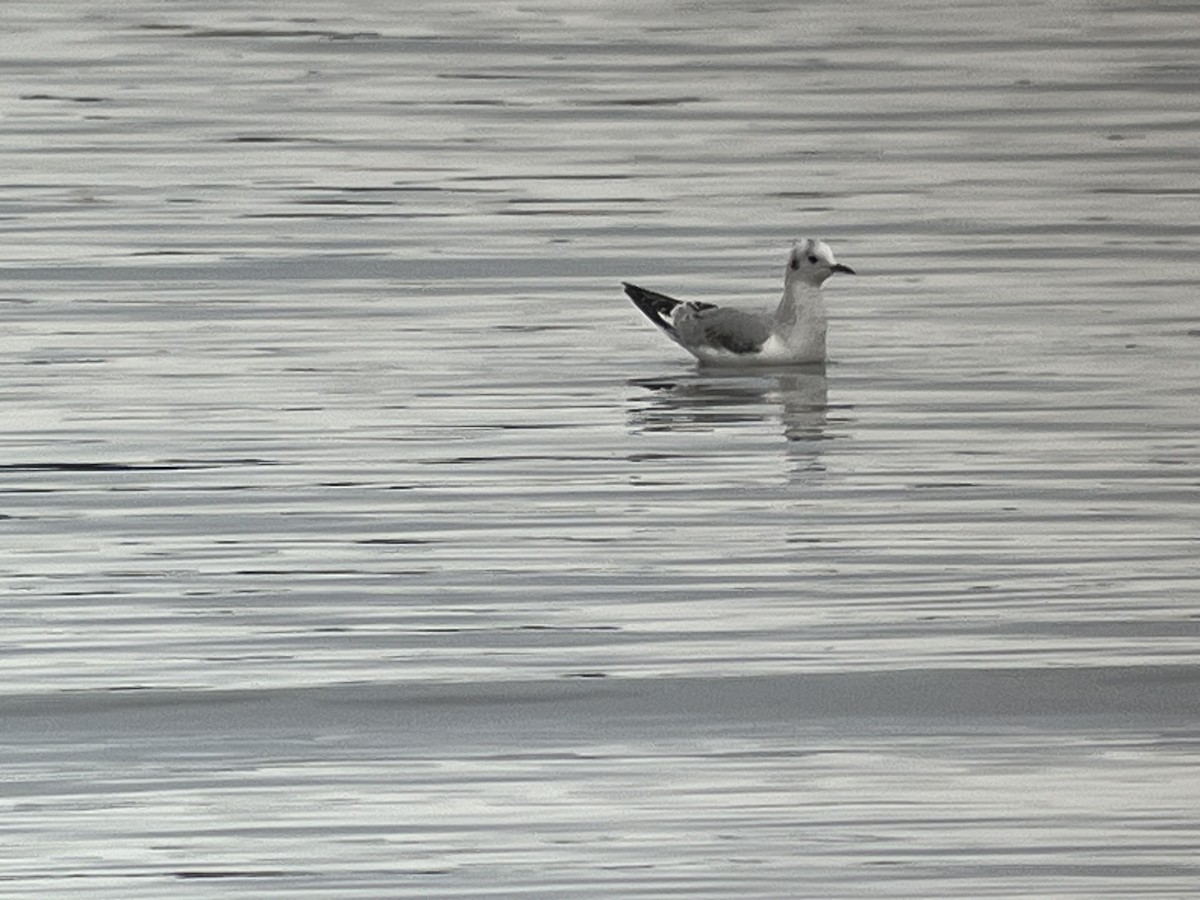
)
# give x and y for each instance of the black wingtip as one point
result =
(654, 306)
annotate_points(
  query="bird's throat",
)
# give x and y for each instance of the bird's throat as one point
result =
(802, 306)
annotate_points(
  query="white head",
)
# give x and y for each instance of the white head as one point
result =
(812, 261)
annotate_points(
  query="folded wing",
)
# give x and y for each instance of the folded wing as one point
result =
(722, 328)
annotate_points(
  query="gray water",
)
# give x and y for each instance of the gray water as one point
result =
(361, 540)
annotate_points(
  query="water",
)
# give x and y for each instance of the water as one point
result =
(361, 540)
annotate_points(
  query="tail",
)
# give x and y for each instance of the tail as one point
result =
(656, 307)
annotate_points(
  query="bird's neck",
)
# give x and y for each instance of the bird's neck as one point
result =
(800, 320)
(802, 307)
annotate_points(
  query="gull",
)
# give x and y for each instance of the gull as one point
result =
(720, 335)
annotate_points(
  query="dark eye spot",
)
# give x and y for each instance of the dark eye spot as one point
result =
(795, 263)
(812, 259)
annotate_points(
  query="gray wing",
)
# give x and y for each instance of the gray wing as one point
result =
(722, 328)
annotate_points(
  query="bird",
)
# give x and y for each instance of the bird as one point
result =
(724, 336)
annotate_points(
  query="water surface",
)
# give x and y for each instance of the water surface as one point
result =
(362, 540)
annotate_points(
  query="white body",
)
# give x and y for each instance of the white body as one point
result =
(793, 333)
(797, 332)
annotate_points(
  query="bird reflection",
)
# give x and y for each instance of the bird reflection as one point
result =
(705, 401)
